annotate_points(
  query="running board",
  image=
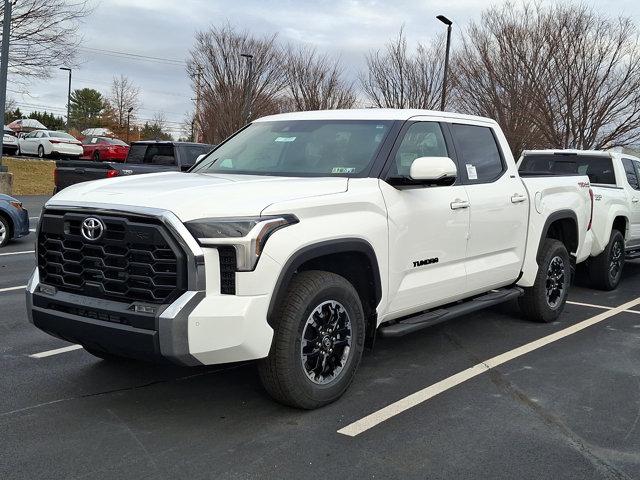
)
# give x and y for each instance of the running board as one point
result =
(428, 319)
(632, 254)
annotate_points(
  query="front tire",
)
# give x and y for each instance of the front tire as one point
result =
(545, 301)
(605, 270)
(318, 341)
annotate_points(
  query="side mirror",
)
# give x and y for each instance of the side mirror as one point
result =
(433, 170)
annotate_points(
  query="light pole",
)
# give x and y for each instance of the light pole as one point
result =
(448, 23)
(4, 61)
(68, 94)
(128, 120)
(246, 110)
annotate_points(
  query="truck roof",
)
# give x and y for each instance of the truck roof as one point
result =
(373, 114)
(570, 151)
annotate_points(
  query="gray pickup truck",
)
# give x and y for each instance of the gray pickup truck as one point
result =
(143, 157)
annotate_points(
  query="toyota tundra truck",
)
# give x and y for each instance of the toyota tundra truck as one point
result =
(302, 237)
(616, 207)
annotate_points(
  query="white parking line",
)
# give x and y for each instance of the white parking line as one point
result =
(34, 218)
(396, 408)
(17, 253)
(32, 229)
(603, 307)
(11, 289)
(49, 353)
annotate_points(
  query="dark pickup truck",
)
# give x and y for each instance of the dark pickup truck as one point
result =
(143, 157)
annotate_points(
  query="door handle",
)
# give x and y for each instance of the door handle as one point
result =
(635, 200)
(457, 204)
(517, 198)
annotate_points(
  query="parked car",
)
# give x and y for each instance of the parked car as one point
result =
(301, 237)
(616, 208)
(104, 149)
(14, 219)
(143, 157)
(47, 143)
(9, 141)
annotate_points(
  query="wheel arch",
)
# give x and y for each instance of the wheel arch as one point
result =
(563, 226)
(332, 256)
(6, 216)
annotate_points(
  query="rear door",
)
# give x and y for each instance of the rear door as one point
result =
(428, 227)
(499, 208)
(633, 192)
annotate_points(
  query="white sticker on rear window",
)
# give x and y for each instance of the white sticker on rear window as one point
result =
(285, 139)
(343, 170)
(471, 172)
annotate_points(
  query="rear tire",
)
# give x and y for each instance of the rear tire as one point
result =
(5, 231)
(40, 151)
(605, 270)
(545, 301)
(318, 341)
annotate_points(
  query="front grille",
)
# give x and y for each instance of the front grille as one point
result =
(227, 270)
(135, 260)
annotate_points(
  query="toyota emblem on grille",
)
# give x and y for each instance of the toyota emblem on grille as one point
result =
(92, 228)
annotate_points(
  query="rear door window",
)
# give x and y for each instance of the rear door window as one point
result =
(631, 173)
(478, 152)
(160, 155)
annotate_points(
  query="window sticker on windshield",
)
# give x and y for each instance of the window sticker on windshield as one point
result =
(471, 172)
(343, 170)
(285, 139)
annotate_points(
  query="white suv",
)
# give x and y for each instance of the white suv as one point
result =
(301, 237)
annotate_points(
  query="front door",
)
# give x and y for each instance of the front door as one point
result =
(632, 171)
(428, 227)
(499, 208)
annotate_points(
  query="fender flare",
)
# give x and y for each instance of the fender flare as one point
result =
(320, 249)
(559, 215)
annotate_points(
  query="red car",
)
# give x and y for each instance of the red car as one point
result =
(104, 149)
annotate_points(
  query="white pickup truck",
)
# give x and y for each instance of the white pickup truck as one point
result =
(615, 184)
(302, 236)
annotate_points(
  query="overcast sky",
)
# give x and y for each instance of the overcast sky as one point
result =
(165, 28)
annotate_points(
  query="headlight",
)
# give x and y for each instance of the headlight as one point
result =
(247, 235)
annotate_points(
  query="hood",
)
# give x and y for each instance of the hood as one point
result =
(198, 195)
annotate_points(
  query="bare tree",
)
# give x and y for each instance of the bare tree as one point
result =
(315, 81)
(44, 34)
(397, 79)
(124, 95)
(498, 70)
(223, 76)
(561, 76)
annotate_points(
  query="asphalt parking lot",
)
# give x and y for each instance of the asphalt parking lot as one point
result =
(568, 408)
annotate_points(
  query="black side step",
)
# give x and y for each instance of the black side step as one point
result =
(428, 319)
(632, 254)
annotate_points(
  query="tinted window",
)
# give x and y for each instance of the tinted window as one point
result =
(632, 176)
(154, 154)
(599, 169)
(300, 147)
(189, 153)
(114, 141)
(478, 151)
(422, 139)
(88, 140)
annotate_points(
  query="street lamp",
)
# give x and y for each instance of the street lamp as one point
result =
(448, 23)
(128, 120)
(4, 61)
(68, 94)
(246, 110)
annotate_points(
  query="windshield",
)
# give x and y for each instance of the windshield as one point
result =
(61, 135)
(599, 169)
(300, 148)
(115, 141)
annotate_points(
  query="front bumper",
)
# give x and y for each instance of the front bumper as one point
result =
(201, 327)
(22, 225)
